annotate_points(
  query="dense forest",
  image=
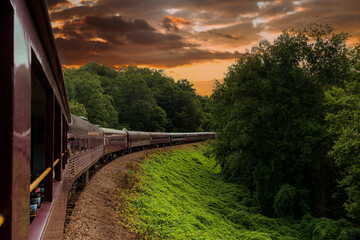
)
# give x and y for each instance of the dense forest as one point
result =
(289, 117)
(288, 114)
(136, 98)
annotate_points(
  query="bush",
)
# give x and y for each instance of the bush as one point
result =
(285, 201)
(323, 228)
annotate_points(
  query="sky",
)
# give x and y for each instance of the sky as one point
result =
(193, 39)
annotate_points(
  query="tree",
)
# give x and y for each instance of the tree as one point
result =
(344, 119)
(270, 113)
(85, 88)
(77, 109)
(136, 98)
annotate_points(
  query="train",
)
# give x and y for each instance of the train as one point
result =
(88, 143)
(46, 150)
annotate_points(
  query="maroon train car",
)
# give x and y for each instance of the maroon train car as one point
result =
(138, 140)
(192, 137)
(177, 138)
(115, 141)
(34, 117)
(159, 139)
(86, 141)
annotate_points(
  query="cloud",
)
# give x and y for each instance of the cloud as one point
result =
(171, 22)
(343, 15)
(181, 32)
(272, 9)
(230, 36)
(57, 3)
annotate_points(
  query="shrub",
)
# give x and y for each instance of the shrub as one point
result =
(285, 201)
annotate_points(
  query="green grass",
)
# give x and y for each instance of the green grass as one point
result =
(182, 195)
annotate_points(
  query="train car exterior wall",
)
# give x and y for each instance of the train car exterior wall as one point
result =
(29, 54)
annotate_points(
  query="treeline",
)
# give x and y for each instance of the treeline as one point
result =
(289, 117)
(136, 98)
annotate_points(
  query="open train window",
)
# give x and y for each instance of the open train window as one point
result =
(38, 100)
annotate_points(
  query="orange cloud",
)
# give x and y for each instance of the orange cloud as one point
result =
(177, 20)
(171, 22)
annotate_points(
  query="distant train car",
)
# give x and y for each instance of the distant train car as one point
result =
(138, 140)
(192, 137)
(212, 135)
(86, 141)
(159, 138)
(115, 141)
(206, 135)
(177, 138)
(202, 136)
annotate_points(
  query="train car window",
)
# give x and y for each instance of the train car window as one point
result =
(82, 144)
(71, 147)
(76, 145)
(116, 140)
(85, 144)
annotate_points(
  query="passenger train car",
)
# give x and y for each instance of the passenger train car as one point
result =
(46, 150)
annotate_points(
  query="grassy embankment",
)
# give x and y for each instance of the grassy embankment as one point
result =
(181, 195)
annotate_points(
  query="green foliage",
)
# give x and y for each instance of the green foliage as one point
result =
(344, 119)
(285, 201)
(182, 195)
(138, 99)
(77, 109)
(85, 88)
(270, 113)
(323, 228)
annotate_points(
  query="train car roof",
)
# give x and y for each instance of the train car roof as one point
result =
(110, 130)
(79, 122)
(177, 133)
(159, 133)
(138, 132)
(40, 15)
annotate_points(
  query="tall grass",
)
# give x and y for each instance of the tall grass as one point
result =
(182, 195)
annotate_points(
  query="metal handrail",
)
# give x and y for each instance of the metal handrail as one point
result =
(38, 180)
(56, 162)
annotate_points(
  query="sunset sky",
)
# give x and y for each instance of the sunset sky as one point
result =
(197, 40)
